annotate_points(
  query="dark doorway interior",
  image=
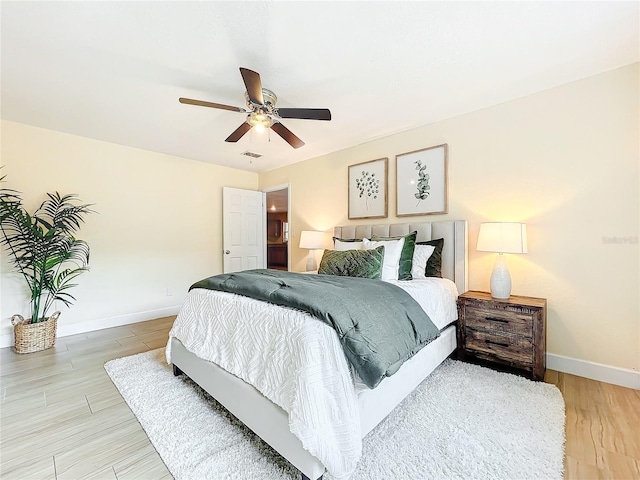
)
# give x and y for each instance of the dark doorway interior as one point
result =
(278, 229)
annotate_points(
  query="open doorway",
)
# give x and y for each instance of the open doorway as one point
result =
(277, 207)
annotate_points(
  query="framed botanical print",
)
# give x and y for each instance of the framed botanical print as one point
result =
(421, 178)
(368, 189)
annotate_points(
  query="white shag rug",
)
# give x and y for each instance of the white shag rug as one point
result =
(462, 422)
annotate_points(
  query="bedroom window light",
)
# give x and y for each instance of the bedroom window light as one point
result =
(311, 240)
(501, 238)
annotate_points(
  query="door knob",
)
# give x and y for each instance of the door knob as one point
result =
(227, 252)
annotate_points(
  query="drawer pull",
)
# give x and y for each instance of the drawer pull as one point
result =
(506, 345)
(494, 319)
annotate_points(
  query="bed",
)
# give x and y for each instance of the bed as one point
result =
(269, 420)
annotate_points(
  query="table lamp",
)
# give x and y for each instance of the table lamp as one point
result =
(501, 238)
(311, 241)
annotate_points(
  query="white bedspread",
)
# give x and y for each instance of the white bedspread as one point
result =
(294, 360)
(436, 296)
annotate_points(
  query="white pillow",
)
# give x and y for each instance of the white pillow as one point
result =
(420, 257)
(392, 252)
(341, 246)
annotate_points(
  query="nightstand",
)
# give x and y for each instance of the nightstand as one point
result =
(508, 333)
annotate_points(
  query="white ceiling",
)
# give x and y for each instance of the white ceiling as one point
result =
(114, 70)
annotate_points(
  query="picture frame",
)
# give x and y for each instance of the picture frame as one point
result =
(421, 182)
(368, 189)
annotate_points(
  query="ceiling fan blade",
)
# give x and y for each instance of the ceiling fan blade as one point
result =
(305, 113)
(287, 135)
(238, 133)
(212, 105)
(253, 84)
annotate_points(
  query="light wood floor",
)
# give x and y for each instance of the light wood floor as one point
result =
(62, 418)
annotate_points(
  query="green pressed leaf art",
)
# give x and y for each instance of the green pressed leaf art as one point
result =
(423, 182)
(369, 187)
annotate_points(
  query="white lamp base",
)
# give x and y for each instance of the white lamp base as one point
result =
(311, 262)
(500, 279)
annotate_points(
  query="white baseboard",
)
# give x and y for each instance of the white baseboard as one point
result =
(595, 371)
(8, 340)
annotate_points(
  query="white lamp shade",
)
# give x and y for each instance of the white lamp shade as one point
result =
(311, 240)
(502, 237)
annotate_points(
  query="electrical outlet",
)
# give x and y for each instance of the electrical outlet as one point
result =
(169, 292)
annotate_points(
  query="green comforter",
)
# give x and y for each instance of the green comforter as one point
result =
(379, 324)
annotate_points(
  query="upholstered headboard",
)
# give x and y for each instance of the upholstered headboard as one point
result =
(454, 232)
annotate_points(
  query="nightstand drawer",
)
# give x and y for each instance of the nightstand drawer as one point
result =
(499, 321)
(516, 349)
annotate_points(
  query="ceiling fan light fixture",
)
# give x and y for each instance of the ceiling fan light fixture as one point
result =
(261, 121)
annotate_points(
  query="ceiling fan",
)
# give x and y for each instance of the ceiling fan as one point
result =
(262, 111)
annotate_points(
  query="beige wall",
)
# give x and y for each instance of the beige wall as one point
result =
(565, 161)
(158, 226)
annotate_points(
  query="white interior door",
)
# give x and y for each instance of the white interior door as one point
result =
(243, 229)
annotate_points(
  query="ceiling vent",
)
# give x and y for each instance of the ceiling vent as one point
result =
(251, 154)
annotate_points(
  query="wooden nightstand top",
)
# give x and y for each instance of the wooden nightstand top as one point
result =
(513, 299)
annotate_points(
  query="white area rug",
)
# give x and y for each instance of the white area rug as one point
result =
(463, 422)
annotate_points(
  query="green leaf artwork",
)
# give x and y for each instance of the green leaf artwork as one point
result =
(369, 187)
(423, 182)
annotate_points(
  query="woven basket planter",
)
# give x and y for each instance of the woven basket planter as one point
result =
(33, 337)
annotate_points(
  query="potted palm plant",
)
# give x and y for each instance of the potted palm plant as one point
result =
(43, 249)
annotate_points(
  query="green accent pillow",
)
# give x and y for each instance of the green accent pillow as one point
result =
(342, 244)
(353, 263)
(347, 239)
(406, 257)
(434, 264)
